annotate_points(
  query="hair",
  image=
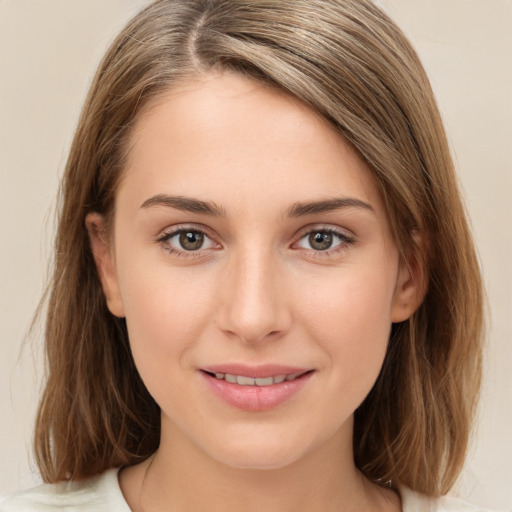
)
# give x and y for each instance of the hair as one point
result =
(350, 63)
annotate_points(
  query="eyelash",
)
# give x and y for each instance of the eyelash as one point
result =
(168, 235)
(344, 241)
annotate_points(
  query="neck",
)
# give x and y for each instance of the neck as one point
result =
(182, 477)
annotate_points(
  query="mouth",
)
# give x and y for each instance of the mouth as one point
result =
(256, 389)
(244, 380)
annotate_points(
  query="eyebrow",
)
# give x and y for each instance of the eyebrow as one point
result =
(186, 204)
(327, 205)
(189, 204)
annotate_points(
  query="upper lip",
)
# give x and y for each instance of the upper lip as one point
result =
(258, 371)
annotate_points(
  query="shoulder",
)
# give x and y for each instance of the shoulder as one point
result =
(99, 494)
(416, 502)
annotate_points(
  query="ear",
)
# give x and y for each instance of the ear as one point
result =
(412, 283)
(105, 264)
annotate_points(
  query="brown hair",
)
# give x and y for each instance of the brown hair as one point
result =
(349, 62)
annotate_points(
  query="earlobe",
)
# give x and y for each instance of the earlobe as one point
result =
(411, 287)
(104, 259)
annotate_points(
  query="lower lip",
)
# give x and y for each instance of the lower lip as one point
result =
(256, 398)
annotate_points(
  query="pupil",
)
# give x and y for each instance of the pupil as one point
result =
(191, 240)
(320, 241)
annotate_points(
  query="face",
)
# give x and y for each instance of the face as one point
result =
(252, 257)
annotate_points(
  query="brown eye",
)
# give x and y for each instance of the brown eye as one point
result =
(184, 241)
(320, 240)
(191, 240)
(324, 241)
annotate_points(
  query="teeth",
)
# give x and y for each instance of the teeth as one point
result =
(268, 381)
(242, 380)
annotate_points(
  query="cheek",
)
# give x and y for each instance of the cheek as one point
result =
(351, 322)
(166, 312)
(355, 303)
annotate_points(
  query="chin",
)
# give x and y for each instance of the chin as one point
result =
(259, 451)
(257, 460)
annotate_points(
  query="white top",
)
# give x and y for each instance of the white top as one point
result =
(103, 494)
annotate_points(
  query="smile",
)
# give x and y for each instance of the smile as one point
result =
(243, 380)
(263, 389)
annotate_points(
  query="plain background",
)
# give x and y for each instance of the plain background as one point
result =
(48, 52)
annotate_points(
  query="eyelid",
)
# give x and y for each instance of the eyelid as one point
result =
(164, 236)
(329, 228)
(347, 238)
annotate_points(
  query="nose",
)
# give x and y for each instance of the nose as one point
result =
(254, 305)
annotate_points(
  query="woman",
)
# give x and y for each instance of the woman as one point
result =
(265, 290)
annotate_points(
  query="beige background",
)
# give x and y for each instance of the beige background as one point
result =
(48, 51)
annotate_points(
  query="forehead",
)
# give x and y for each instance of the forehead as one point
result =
(231, 137)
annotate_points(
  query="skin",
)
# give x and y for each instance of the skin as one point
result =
(256, 292)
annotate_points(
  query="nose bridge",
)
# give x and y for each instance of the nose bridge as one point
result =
(254, 305)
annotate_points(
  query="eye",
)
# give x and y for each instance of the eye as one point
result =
(324, 240)
(189, 240)
(186, 240)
